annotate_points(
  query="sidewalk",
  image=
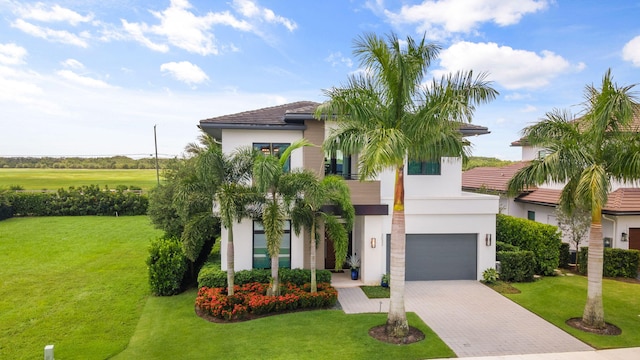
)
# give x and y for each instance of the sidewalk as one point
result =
(613, 354)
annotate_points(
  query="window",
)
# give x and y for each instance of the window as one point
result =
(531, 215)
(338, 165)
(261, 259)
(274, 149)
(424, 168)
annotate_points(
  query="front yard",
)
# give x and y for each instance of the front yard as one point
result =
(556, 299)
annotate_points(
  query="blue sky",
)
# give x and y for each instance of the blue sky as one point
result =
(90, 77)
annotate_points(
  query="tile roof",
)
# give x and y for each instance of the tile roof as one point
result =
(490, 178)
(274, 115)
(623, 201)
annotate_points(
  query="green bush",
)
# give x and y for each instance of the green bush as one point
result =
(503, 246)
(490, 276)
(617, 262)
(516, 266)
(542, 239)
(167, 266)
(85, 200)
(564, 256)
(211, 276)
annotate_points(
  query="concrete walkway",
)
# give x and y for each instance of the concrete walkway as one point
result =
(474, 320)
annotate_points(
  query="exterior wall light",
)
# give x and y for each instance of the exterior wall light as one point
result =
(624, 237)
(487, 239)
(373, 243)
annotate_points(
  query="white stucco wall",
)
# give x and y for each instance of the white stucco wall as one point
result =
(235, 138)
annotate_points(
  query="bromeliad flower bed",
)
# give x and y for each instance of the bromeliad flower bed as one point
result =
(250, 301)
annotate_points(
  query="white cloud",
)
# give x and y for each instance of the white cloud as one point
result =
(82, 80)
(631, 51)
(136, 31)
(529, 108)
(511, 68)
(55, 13)
(72, 64)
(61, 36)
(185, 71)
(441, 18)
(12, 54)
(252, 10)
(516, 96)
(336, 59)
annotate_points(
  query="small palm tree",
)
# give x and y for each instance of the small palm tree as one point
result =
(587, 154)
(269, 175)
(386, 115)
(229, 178)
(327, 203)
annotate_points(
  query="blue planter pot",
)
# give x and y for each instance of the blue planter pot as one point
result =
(355, 273)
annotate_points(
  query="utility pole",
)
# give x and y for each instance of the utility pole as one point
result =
(155, 139)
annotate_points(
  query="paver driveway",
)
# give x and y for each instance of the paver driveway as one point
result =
(472, 319)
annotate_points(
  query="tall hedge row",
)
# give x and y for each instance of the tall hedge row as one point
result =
(85, 200)
(542, 239)
(616, 262)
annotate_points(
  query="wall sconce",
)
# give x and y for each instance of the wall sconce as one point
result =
(487, 239)
(624, 237)
(373, 243)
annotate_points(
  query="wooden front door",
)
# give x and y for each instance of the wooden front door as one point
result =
(330, 254)
(634, 238)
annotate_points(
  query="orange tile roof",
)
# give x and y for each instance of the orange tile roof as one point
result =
(624, 201)
(490, 178)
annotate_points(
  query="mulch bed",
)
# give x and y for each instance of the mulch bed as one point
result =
(379, 333)
(609, 329)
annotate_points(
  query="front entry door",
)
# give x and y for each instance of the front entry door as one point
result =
(634, 238)
(330, 254)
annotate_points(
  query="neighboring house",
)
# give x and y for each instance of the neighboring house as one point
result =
(621, 215)
(450, 233)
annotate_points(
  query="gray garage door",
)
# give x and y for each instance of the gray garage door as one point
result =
(440, 257)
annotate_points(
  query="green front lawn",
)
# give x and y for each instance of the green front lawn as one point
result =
(79, 283)
(170, 329)
(557, 299)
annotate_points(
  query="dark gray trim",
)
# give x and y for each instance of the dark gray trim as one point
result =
(287, 126)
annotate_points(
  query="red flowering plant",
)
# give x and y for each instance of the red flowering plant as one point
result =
(251, 299)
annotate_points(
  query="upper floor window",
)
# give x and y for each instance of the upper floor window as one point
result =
(275, 149)
(338, 165)
(531, 215)
(423, 168)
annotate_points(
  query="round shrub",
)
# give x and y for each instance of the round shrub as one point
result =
(167, 266)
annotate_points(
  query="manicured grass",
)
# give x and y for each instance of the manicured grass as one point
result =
(376, 292)
(79, 283)
(557, 299)
(54, 179)
(170, 329)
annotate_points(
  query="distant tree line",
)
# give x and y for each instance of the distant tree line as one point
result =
(480, 161)
(114, 162)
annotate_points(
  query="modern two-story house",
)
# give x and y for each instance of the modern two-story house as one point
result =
(450, 233)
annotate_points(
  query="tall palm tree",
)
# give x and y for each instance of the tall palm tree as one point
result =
(268, 173)
(229, 178)
(587, 154)
(386, 115)
(327, 202)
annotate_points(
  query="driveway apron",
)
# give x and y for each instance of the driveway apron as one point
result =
(472, 319)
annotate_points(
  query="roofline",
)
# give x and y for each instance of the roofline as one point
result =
(621, 213)
(287, 126)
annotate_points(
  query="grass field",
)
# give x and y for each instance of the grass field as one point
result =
(557, 299)
(79, 283)
(54, 179)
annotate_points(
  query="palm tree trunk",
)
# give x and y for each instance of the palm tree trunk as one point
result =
(312, 259)
(230, 261)
(275, 281)
(397, 324)
(594, 310)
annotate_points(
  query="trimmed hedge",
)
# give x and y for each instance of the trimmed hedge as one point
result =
(503, 246)
(617, 262)
(167, 266)
(213, 277)
(542, 239)
(565, 255)
(85, 200)
(6, 211)
(516, 266)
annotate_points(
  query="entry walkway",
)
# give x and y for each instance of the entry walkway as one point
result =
(473, 320)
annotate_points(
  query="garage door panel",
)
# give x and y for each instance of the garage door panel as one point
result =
(441, 257)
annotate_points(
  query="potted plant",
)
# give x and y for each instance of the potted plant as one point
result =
(385, 280)
(354, 263)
